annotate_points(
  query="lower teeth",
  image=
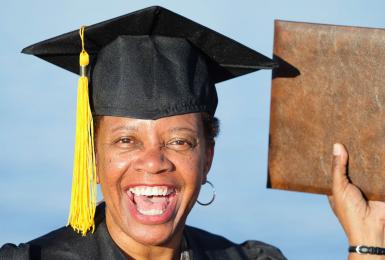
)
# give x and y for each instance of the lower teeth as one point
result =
(150, 212)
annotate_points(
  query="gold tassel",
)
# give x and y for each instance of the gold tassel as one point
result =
(83, 197)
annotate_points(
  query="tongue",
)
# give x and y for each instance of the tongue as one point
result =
(151, 202)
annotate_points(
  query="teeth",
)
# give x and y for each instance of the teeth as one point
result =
(151, 191)
(151, 212)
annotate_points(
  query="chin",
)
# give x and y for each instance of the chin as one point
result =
(147, 226)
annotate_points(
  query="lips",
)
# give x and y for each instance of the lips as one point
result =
(152, 204)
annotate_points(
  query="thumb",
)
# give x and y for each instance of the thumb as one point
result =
(339, 168)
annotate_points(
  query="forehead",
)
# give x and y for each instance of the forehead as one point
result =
(190, 121)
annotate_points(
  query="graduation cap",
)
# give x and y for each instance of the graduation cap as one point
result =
(148, 64)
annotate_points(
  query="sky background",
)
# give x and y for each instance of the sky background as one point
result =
(37, 109)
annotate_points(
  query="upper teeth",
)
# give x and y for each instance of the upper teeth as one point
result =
(151, 191)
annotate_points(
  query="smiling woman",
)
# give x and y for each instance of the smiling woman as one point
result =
(150, 173)
(152, 97)
(151, 102)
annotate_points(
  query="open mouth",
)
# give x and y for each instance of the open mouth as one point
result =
(153, 201)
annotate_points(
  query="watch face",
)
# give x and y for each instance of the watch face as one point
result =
(362, 249)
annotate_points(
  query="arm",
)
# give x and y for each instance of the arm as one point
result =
(363, 221)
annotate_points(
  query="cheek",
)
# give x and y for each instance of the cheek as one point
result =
(192, 168)
(191, 172)
(110, 169)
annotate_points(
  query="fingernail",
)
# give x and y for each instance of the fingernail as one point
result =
(336, 149)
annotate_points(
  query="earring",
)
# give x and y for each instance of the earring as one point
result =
(213, 197)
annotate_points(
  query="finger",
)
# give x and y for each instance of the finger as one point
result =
(340, 161)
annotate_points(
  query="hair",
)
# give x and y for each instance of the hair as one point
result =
(209, 122)
(210, 128)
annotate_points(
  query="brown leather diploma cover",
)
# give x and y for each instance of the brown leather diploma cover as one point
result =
(329, 87)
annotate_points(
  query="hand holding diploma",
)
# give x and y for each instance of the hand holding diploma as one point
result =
(363, 221)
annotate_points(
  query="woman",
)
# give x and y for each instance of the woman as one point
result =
(153, 100)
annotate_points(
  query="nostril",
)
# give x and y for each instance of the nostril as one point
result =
(153, 161)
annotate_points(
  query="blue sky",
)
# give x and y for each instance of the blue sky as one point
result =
(37, 108)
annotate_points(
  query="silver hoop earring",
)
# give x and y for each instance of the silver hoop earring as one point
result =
(213, 197)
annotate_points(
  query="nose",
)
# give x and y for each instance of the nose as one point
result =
(153, 161)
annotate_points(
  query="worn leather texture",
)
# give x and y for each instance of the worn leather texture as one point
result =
(330, 87)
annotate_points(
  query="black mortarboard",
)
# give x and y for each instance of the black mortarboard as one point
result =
(152, 63)
(148, 64)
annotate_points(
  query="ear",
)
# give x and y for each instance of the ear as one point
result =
(96, 164)
(209, 160)
(97, 178)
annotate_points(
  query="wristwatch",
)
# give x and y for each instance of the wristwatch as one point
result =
(361, 249)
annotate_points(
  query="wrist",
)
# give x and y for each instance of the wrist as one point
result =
(354, 256)
(370, 242)
(367, 238)
(369, 233)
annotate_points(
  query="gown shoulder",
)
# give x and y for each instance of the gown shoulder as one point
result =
(205, 245)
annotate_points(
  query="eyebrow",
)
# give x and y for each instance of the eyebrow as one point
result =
(179, 129)
(127, 128)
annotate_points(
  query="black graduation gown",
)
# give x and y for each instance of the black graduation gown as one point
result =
(64, 243)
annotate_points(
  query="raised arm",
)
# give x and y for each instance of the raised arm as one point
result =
(363, 221)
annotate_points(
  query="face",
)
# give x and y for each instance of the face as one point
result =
(150, 173)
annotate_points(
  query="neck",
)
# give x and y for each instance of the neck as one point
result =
(170, 250)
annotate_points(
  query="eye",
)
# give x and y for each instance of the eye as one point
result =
(180, 144)
(125, 141)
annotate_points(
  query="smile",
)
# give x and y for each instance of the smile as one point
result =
(152, 190)
(152, 204)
